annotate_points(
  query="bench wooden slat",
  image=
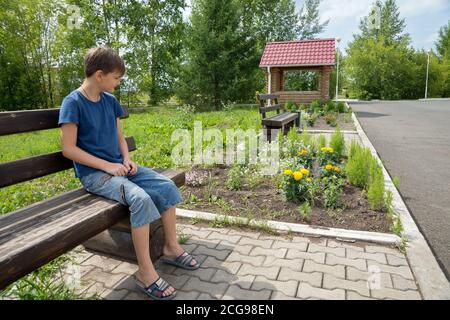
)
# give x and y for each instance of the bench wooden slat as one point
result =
(32, 120)
(55, 226)
(268, 96)
(270, 108)
(34, 167)
(280, 119)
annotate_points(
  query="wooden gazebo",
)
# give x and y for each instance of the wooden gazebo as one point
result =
(317, 55)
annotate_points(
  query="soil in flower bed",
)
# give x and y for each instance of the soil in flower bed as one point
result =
(266, 202)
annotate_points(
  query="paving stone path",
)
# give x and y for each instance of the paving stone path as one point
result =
(249, 265)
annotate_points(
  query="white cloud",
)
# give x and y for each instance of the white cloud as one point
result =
(339, 11)
(414, 8)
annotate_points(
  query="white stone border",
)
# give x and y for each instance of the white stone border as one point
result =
(376, 237)
(431, 279)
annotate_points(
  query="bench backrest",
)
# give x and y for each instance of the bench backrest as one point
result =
(38, 166)
(264, 107)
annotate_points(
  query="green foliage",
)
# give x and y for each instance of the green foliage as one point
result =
(327, 156)
(332, 192)
(46, 283)
(443, 41)
(305, 211)
(340, 107)
(397, 228)
(330, 106)
(337, 142)
(301, 80)
(295, 186)
(310, 118)
(290, 106)
(234, 178)
(315, 106)
(376, 192)
(331, 118)
(321, 142)
(358, 165)
(388, 205)
(394, 65)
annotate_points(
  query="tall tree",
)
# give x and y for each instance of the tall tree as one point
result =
(385, 48)
(217, 49)
(443, 41)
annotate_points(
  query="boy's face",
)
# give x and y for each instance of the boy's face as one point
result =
(108, 81)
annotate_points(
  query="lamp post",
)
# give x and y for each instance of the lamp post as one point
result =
(337, 71)
(428, 67)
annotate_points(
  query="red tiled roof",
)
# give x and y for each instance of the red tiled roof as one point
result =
(299, 53)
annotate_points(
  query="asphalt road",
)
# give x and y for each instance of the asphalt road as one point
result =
(413, 139)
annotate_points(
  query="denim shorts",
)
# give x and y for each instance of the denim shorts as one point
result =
(148, 194)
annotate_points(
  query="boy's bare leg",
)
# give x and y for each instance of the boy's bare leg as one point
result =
(171, 246)
(146, 273)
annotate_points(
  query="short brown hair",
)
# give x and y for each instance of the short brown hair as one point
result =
(103, 58)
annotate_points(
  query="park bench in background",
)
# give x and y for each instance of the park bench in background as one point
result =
(283, 120)
(33, 236)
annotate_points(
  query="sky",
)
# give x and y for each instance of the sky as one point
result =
(423, 18)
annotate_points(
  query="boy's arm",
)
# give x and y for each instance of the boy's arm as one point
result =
(72, 152)
(122, 142)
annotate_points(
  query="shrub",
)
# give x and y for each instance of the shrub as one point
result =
(310, 119)
(234, 178)
(388, 205)
(304, 158)
(375, 194)
(341, 107)
(329, 171)
(289, 105)
(305, 211)
(295, 185)
(321, 142)
(358, 165)
(315, 106)
(332, 192)
(330, 106)
(327, 155)
(337, 142)
(330, 119)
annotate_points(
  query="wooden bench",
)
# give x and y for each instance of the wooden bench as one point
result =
(35, 235)
(283, 120)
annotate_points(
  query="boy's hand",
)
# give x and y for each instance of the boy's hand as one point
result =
(131, 167)
(116, 169)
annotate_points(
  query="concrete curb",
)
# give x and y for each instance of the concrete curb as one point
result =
(375, 237)
(432, 281)
(331, 131)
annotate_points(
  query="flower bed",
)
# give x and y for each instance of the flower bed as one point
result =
(323, 116)
(335, 185)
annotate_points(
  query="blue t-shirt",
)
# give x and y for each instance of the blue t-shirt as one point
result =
(97, 127)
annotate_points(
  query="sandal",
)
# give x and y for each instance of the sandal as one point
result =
(156, 289)
(183, 261)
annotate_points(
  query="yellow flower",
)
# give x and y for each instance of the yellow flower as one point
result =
(323, 149)
(329, 167)
(298, 176)
(288, 172)
(308, 180)
(337, 169)
(330, 150)
(304, 171)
